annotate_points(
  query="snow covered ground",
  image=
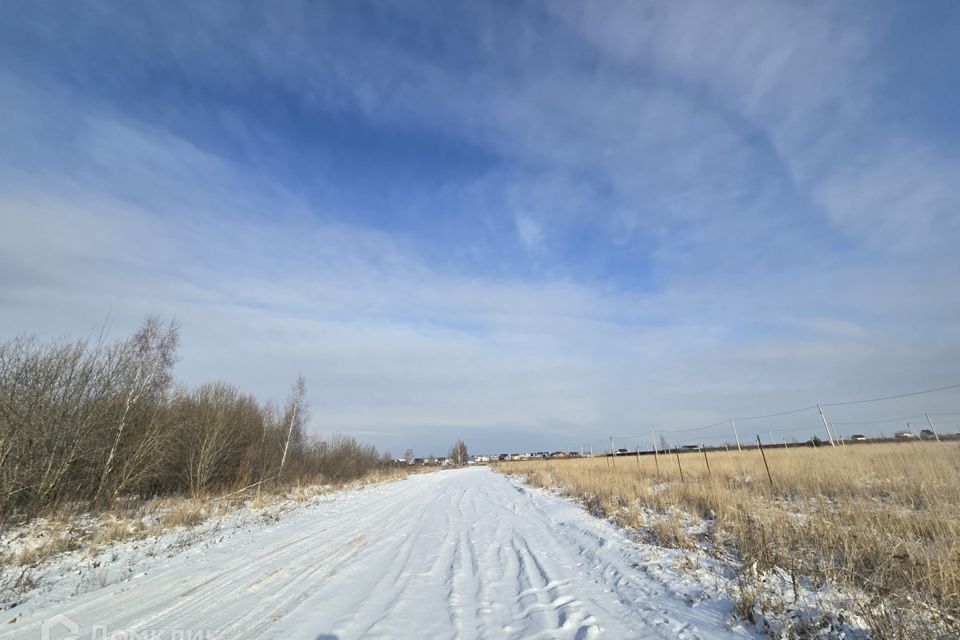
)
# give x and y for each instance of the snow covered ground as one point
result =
(456, 554)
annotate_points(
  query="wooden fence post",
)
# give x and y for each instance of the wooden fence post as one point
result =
(679, 466)
(930, 424)
(769, 477)
(656, 454)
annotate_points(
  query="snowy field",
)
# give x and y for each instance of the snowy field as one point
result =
(456, 554)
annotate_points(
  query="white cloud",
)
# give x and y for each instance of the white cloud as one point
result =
(902, 197)
(391, 346)
(660, 138)
(806, 78)
(530, 232)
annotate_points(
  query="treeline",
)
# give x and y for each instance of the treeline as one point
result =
(90, 421)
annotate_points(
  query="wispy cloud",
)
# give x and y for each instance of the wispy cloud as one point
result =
(530, 232)
(526, 227)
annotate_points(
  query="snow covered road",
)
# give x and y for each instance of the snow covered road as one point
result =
(454, 554)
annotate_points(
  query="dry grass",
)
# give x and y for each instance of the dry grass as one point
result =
(116, 531)
(14, 585)
(187, 513)
(672, 532)
(68, 528)
(884, 518)
(55, 543)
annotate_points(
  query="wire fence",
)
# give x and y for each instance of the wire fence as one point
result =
(794, 426)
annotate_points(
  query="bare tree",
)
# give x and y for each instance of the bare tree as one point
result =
(295, 417)
(153, 352)
(46, 417)
(220, 426)
(261, 460)
(458, 454)
(89, 421)
(343, 458)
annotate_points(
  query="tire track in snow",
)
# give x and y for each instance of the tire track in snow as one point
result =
(455, 554)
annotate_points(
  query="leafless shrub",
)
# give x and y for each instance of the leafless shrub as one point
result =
(15, 585)
(140, 428)
(340, 460)
(81, 420)
(91, 424)
(217, 424)
(85, 423)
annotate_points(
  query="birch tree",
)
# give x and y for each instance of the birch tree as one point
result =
(458, 454)
(150, 354)
(294, 418)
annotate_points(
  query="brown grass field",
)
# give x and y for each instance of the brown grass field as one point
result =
(882, 518)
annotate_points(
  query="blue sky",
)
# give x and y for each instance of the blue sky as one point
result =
(526, 224)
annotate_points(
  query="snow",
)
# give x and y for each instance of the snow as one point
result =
(453, 554)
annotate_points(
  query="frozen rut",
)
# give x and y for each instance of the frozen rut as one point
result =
(456, 554)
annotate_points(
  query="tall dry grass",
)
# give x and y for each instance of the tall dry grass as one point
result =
(884, 518)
